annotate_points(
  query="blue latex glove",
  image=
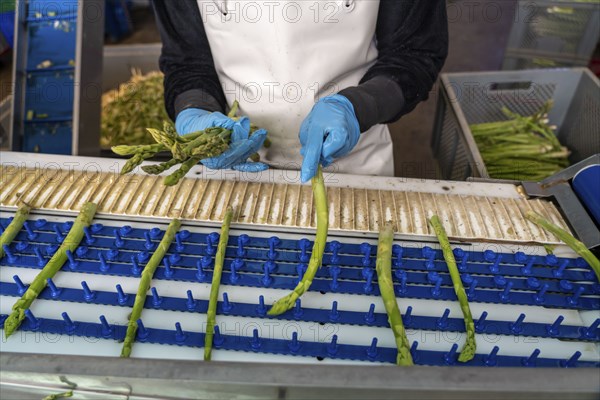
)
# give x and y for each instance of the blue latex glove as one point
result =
(330, 131)
(242, 144)
(194, 120)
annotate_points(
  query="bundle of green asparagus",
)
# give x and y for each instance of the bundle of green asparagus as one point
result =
(186, 150)
(521, 148)
(136, 104)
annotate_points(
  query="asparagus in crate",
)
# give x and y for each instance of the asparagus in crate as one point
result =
(211, 314)
(144, 285)
(468, 351)
(386, 287)
(126, 111)
(186, 150)
(70, 243)
(521, 148)
(320, 200)
(12, 230)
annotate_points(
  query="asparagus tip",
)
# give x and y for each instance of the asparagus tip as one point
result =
(468, 352)
(281, 305)
(12, 323)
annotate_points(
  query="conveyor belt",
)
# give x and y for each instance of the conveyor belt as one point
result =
(530, 308)
(343, 300)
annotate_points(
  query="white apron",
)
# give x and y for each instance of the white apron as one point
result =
(277, 58)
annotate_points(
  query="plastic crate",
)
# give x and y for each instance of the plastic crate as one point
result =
(563, 31)
(472, 98)
(535, 61)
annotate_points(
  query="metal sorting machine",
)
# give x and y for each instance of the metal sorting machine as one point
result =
(534, 311)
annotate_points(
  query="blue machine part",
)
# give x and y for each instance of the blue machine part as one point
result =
(491, 279)
(587, 186)
(40, 9)
(257, 344)
(50, 42)
(50, 96)
(7, 26)
(48, 137)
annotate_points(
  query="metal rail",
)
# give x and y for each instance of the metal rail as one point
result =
(129, 378)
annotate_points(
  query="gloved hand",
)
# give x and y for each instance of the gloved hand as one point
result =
(242, 144)
(330, 131)
(194, 120)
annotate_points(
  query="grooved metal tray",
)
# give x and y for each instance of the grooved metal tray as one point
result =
(272, 204)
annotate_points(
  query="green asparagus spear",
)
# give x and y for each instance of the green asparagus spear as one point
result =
(160, 168)
(320, 200)
(566, 237)
(386, 287)
(234, 109)
(135, 161)
(59, 396)
(12, 230)
(144, 285)
(174, 178)
(169, 139)
(468, 351)
(188, 137)
(211, 314)
(125, 150)
(199, 141)
(84, 219)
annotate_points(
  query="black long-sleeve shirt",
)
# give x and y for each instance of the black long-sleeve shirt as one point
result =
(412, 40)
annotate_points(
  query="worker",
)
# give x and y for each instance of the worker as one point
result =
(322, 77)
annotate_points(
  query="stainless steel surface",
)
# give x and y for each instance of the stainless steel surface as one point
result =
(120, 60)
(5, 114)
(88, 73)
(568, 173)
(19, 64)
(558, 187)
(215, 380)
(269, 205)
(582, 224)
